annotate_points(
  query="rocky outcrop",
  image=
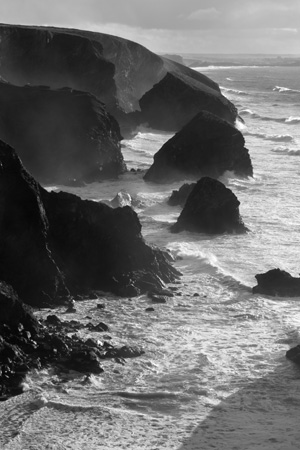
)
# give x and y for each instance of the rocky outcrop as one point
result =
(206, 146)
(294, 354)
(26, 260)
(61, 136)
(180, 196)
(52, 240)
(26, 343)
(117, 71)
(210, 208)
(277, 282)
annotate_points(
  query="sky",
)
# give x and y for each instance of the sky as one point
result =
(174, 26)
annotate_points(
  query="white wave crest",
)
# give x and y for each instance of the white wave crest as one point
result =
(285, 89)
(293, 119)
(271, 137)
(233, 91)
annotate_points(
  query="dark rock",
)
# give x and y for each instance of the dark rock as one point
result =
(210, 208)
(294, 354)
(71, 309)
(277, 282)
(196, 294)
(206, 146)
(26, 261)
(92, 296)
(179, 197)
(124, 352)
(100, 327)
(49, 240)
(158, 299)
(65, 137)
(53, 320)
(150, 309)
(84, 361)
(117, 71)
(101, 306)
(179, 96)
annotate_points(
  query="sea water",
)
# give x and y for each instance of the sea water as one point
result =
(214, 374)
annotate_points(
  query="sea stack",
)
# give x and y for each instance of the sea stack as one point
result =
(206, 146)
(210, 208)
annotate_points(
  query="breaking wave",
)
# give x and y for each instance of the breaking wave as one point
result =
(271, 137)
(289, 120)
(283, 89)
(233, 91)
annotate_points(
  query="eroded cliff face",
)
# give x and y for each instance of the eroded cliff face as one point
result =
(117, 71)
(53, 243)
(60, 135)
(206, 146)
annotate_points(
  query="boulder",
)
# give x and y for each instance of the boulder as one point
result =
(210, 208)
(180, 196)
(62, 136)
(206, 146)
(134, 83)
(122, 199)
(277, 282)
(52, 242)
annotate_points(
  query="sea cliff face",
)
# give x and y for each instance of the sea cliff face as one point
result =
(60, 135)
(117, 71)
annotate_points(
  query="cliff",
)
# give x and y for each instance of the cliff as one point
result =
(206, 146)
(60, 135)
(117, 71)
(53, 243)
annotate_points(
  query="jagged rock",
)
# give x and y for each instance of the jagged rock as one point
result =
(179, 197)
(117, 71)
(26, 261)
(121, 199)
(64, 136)
(52, 240)
(277, 282)
(206, 146)
(210, 208)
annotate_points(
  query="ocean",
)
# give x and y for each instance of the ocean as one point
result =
(214, 374)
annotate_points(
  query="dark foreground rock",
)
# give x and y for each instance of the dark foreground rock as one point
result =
(277, 282)
(26, 344)
(62, 136)
(206, 146)
(210, 208)
(135, 84)
(52, 243)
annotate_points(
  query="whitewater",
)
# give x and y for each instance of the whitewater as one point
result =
(214, 374)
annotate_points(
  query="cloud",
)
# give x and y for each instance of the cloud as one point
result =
(207, 13)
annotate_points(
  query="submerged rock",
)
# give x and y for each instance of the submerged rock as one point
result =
(135, 84)
(52, 242)
(210, 208)
(206, 146)
(294, 354)
(277, 282)
(62, 136)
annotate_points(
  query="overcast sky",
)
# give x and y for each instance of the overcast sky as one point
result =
(199, 26)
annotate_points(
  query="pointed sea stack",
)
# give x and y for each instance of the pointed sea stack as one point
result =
(277, 282)
(206, 146)
(210, 208)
